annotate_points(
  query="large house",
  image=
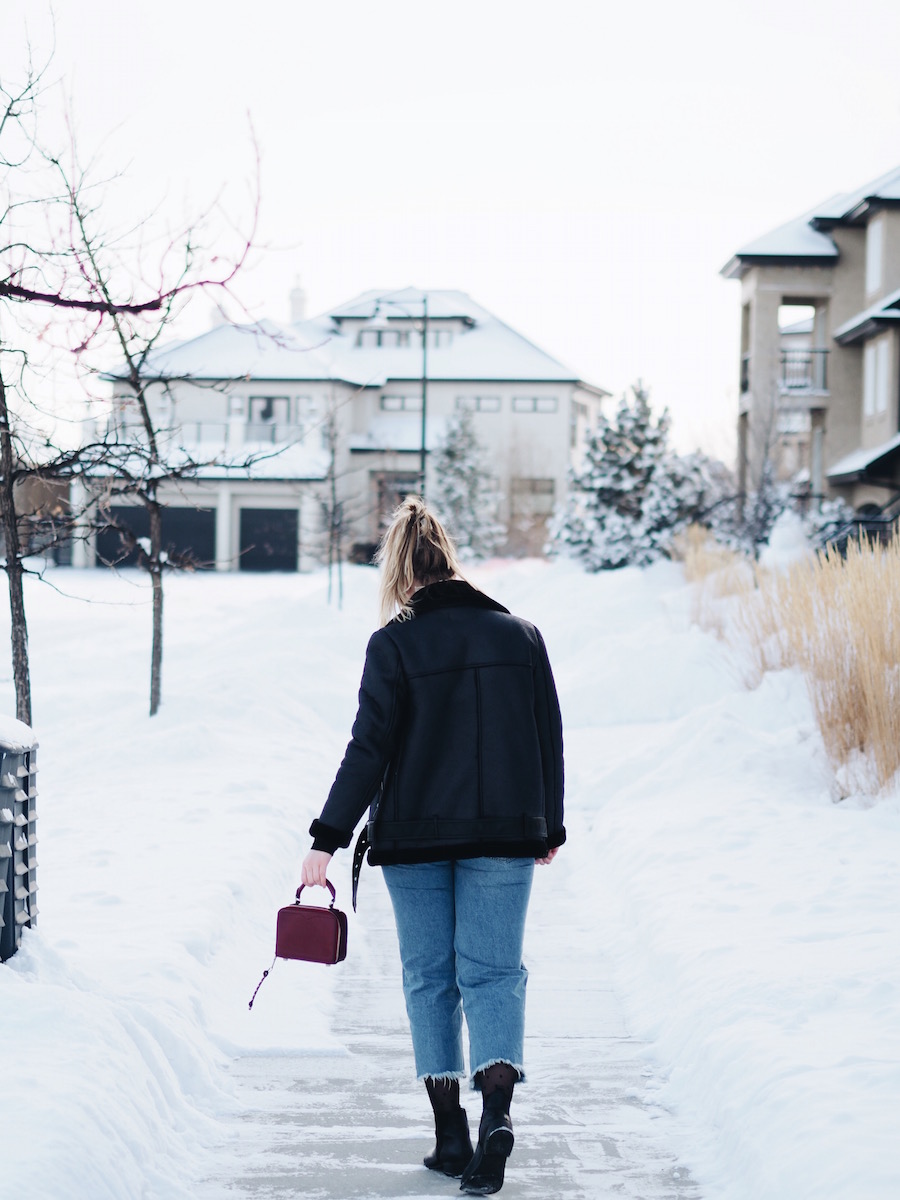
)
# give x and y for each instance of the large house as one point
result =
(356, 399)
(820, 348)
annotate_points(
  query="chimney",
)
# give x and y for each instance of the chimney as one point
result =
(298, 303)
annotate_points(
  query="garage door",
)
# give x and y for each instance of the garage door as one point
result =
(187, 531)
(269, 539)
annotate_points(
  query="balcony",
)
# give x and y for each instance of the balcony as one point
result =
(804, 371)
(272, 433)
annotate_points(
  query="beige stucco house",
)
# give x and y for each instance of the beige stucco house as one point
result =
(820, 348)
(363, 392)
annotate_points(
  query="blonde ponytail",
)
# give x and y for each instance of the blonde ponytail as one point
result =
(415, 550)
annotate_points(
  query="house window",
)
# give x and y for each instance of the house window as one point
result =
(578, 416)
(478, 403)
(876, 376)
(537, 404)
(874, 254)
(869, 379)
(533, 496)
(383, 337)
(440, 337)
(161, 408)
(882, 373)
(401, 403)
(394, 337)
(269, 409)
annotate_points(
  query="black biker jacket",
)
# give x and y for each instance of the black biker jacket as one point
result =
(457, 744)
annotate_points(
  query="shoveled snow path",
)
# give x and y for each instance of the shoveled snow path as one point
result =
(356, 1124)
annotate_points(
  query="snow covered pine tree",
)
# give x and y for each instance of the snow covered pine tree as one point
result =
(632, 494)
(464, 492)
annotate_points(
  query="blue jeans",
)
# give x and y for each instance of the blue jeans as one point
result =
(461, 925)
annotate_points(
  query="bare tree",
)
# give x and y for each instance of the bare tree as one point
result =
(98, 284)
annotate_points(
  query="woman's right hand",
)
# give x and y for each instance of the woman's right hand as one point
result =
(315, 865)
(545, 862)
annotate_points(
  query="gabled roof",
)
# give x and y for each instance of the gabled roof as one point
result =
(805, 240)
(482, 349)
(261, 351)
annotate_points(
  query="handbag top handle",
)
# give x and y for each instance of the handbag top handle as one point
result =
(328, 884)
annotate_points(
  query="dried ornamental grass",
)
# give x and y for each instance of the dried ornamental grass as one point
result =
(716, 573)
(836, 619)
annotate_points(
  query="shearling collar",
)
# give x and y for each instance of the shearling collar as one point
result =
(451, 593)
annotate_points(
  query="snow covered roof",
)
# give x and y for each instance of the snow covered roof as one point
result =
(870, 320)
(853, 466)
(407, 303)
(796, 240)
(265, 350)
(264, 460)
(852, 206)
(805, 239)
(478, 348)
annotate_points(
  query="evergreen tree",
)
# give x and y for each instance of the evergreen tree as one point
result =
(464, 492)
(632, 494)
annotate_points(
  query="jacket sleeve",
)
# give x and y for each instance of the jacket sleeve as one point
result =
(549, 725)
(372, 744)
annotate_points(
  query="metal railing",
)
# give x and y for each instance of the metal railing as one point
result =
(874, 527)
(804, 370)
(18, 842)
(270, 432)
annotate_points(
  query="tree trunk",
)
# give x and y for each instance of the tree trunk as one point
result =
(13, 567)
(156, 569)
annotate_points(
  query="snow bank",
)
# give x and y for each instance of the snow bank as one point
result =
(753, 923)
(788, 543)
(165, 849)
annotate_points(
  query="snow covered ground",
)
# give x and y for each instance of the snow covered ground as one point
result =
(751, 924)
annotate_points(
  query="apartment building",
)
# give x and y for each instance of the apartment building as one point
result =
(820, 348)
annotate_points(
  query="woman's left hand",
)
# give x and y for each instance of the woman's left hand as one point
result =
(315, 865)
(545, 862)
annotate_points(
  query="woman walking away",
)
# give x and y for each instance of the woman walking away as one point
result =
(458, 738)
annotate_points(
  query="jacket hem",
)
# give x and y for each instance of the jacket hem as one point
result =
(407, 855)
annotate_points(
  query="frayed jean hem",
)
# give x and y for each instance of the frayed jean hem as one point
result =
(493, 1062)
(441, 1076)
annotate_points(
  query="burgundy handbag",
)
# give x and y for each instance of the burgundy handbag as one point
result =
(309, 933)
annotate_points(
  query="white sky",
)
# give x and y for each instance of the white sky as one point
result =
(583, 169)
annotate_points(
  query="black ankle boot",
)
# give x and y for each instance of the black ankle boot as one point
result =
(453, 1147)
(484, 1174)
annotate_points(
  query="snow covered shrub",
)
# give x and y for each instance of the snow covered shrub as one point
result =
(749, 530)
(464, 493)
(632, 495)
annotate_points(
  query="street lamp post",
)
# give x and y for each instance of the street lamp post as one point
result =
(422, 447)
